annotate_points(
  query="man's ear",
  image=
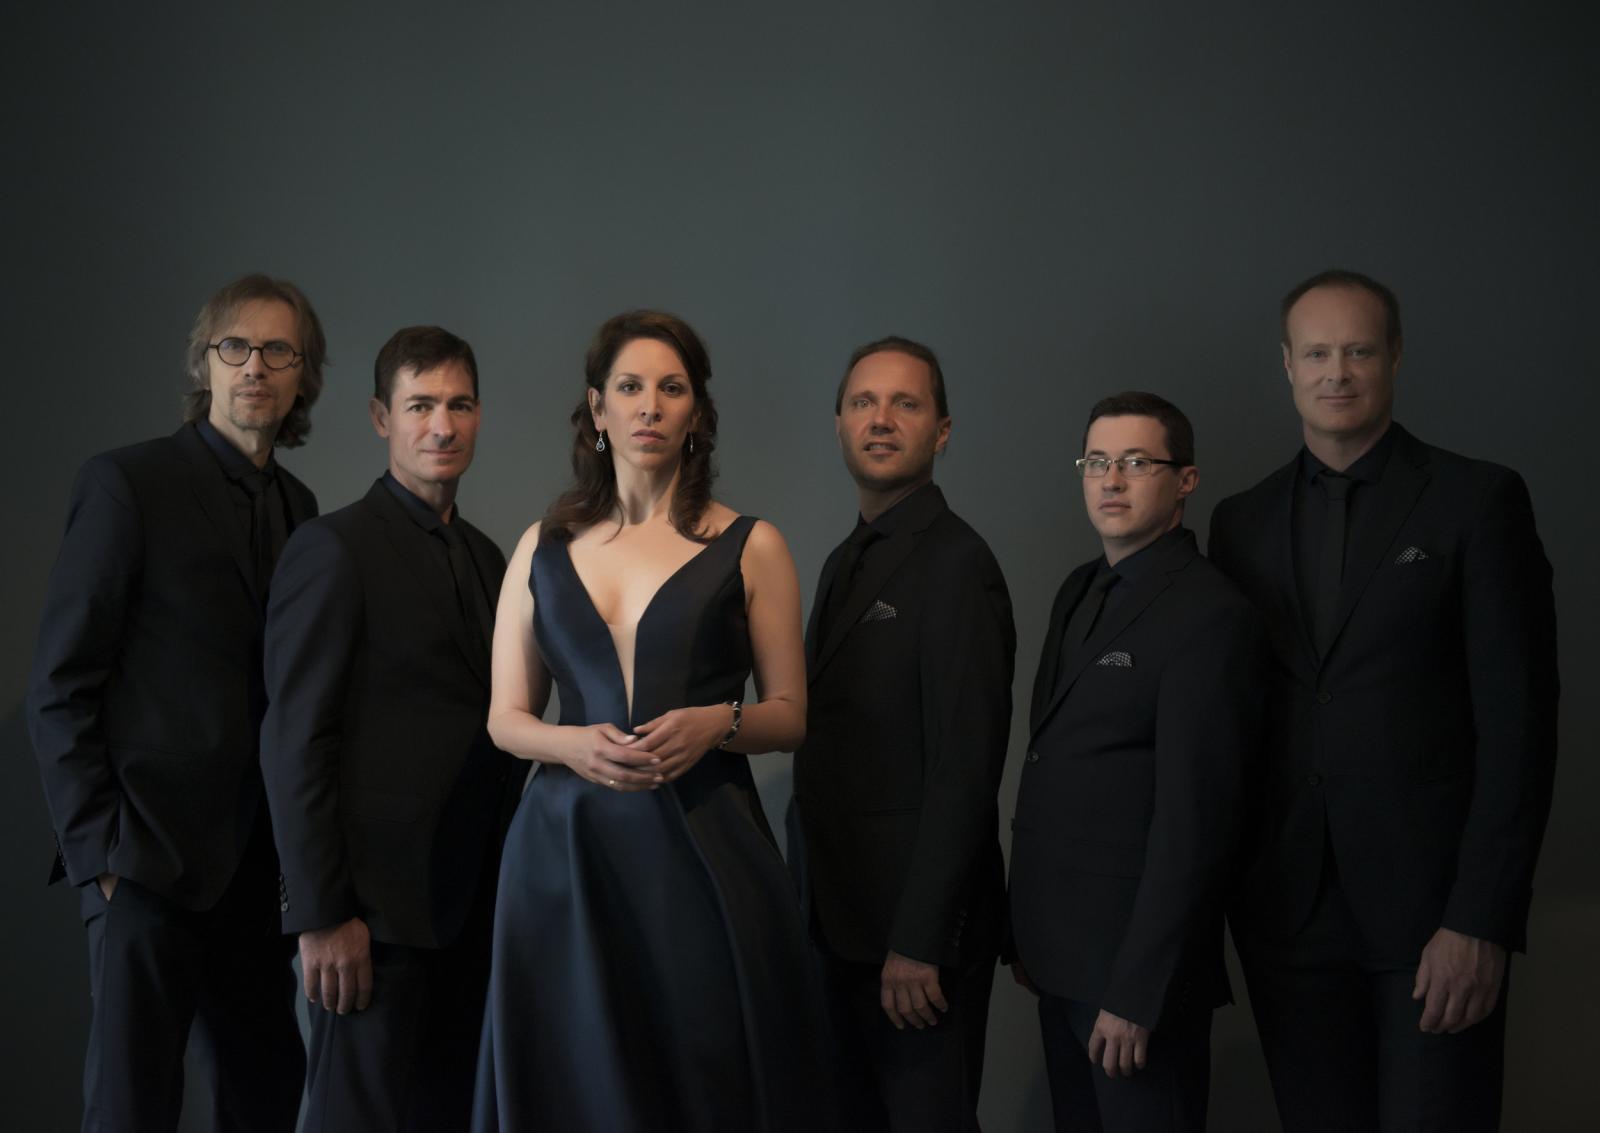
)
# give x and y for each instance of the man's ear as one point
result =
(380, 416)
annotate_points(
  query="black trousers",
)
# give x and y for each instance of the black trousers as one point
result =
(1340, 1032)
(1170, 1093)
(408, 1062)
(909, 1081)
(161, 975)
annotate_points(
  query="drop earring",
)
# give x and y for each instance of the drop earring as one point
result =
(691, 444)
(600, 442)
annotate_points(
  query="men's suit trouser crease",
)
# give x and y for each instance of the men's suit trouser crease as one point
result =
(1340, 1033)
(159, 975)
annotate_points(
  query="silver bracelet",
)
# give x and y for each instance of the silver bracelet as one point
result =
(738, 718)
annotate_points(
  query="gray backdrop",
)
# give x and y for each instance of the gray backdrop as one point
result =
(1065, 199)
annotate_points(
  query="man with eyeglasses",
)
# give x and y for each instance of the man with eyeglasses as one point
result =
(1144, 718)
(1411, 744)
(144, 707)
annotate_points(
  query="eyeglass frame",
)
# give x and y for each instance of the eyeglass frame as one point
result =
(294, 355)
(1122, 462)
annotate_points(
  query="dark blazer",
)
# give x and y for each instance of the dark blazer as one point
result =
(386, 791)
(146, 695)
(1423, 745)
(909, 709)
(1128, 813)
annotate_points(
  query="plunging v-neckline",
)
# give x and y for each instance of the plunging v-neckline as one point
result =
(629, 687)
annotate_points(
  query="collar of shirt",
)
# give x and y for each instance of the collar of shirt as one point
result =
(1142, 562)
(235, 464)
(421, 514)
(908, 511)
(1368, 469)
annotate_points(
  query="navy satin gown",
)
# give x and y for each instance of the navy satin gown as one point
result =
(651, 965)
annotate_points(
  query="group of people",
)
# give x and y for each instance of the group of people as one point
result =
(264, 732)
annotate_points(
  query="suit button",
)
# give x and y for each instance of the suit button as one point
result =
(1033, 757)
(1324, 697)
(283, 906)
(1314, 779)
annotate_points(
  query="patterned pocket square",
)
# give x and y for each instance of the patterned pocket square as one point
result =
(879, 612)
(1410, 555)
(1117, 659)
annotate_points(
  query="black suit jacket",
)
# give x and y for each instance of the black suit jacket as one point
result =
(386, 790)
(909, 709)
(1422, 747)
(1129, 809)
(146, 696)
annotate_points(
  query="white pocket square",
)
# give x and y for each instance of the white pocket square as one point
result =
(879, 612)
(1117, 659)
(1410, 555)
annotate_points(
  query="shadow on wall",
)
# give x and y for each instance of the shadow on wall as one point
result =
(47, 1016)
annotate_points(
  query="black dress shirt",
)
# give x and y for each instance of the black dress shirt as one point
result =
(426, 518)
(1311, 511)
(236, 466)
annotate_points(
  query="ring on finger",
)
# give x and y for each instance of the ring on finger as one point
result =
(611, 782)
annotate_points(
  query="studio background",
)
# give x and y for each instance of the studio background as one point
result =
(1065, 199)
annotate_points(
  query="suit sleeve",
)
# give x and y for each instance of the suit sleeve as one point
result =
(1207, 725)
(313, 629)
(1509, 631)
(968, 651)
(87, 606)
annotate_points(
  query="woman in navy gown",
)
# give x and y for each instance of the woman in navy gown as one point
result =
(651, 966)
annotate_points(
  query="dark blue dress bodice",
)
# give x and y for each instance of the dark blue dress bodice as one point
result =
(651, 969)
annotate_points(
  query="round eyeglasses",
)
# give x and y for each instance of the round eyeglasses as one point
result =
(1132, 467)
(236, 351)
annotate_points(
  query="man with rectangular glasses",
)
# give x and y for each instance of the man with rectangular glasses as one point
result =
(1143, 721)
(144, 707)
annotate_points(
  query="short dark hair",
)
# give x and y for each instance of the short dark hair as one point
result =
(1339, 277)
(218, 311)
(423, 349)
(1133, 403)
(901, 346)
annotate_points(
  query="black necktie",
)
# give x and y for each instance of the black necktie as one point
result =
(1330, 567)
(473, 604)
(256, 485)
(849, 564)
(1081, 624)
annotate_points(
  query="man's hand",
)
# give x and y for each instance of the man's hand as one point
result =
(1118, 1045)
(108, 885)
(910, 992)
(337, 964)
(1459, 978)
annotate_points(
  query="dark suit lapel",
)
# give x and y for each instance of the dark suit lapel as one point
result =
(1293, 607)
(1124, 614)
(824, 584)
(876, 571)
(298, 501)
(211, 488)
(410, 544)
(1394, 497)
(1044, 682)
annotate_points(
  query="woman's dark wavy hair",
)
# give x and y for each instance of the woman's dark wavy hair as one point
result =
(592, 497)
